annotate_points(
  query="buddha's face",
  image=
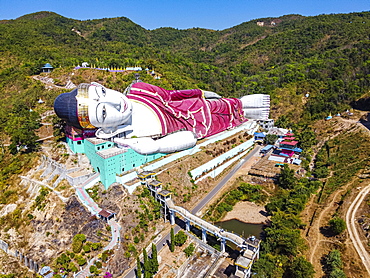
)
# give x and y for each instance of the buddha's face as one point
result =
(107, 108)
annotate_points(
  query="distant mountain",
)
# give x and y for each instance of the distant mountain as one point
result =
(325, 56)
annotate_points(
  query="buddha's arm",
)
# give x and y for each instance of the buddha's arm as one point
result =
(178, 141)
(192, 93)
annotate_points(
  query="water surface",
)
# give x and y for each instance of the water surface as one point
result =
(243, 229)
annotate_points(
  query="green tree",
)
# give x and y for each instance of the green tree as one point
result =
(189, 250)
(138, 268)
(270, 139)
(96, 245)
(284, 241)
(131, 248)
(321, 172)
(250, 192)
(98, 264)
(80, 260)
(58, 128)
(77, 242)
(127, 254)
(337, 273)
(63, 260)
(72, 267)
(154, 260)
(333, 260)
(283, 122)
(287, 179)
(180, 238)
(300, 268)
(147, 266)
(337, 225)
(21, 128)
(281, 219)
(306, 138)
(104, 256)
(267, 266)
(86, 248)
(334, 265)
(172, 243)
(94, 270)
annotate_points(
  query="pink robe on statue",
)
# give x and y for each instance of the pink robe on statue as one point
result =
(188, 109)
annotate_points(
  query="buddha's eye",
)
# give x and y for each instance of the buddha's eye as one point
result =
(104, 112)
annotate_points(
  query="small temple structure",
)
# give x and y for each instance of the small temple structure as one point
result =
(47, 68)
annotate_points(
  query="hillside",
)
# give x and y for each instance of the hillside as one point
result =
(325, 55)
(311, 66)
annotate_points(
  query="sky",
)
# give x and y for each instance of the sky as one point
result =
(181, 14)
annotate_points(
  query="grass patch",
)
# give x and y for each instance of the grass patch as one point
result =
(344, 156)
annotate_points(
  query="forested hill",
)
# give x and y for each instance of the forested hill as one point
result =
(327, 56)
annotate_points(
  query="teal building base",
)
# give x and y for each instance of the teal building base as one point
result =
(76, 146)
(110, 161)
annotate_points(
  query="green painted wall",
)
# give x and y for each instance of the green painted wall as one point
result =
(100, 164)
(110, 167)
(76, 146)
(133, 159)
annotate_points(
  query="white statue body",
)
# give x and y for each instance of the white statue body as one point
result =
(150, 119)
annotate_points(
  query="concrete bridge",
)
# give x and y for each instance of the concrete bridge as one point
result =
(250, 247)
(208, 227)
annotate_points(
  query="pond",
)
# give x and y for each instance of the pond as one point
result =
(243, 229)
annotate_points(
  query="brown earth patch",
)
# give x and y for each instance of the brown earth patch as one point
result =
(316, 215)
(247, 212)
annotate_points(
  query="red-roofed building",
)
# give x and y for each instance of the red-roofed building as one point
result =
(288, 144)
(106, 214)
(289, 138)
(289, 153)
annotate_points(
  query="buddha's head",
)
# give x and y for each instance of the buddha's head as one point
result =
(93, 106)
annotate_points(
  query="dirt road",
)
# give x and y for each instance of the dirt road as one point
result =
(352, 230)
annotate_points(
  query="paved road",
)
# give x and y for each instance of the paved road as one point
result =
(115, 230)
(166, 239)
(218, 187)
(352, 230)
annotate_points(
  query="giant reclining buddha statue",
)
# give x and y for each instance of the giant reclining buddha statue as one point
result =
(150, 119)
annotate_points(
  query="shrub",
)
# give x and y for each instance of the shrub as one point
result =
(333, 260)
(321, 172)
(96, 245)
(86, 248)
(72, 267)
(63, 260)
(77, 242)
(189, 250)
(94, 269)
(337, 225)
(337, 273)
(180, 238)
(80, 260)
